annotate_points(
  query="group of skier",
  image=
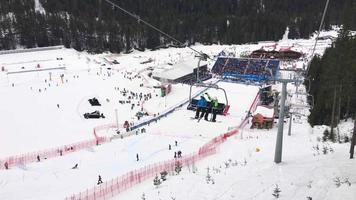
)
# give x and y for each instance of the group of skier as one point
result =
(206, 105)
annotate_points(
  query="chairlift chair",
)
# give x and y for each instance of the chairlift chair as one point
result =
(310, 100)
(223, 108)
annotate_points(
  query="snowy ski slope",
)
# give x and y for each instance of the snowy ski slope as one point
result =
(242, 169)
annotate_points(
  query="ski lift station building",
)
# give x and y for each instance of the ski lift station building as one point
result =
(182, 72)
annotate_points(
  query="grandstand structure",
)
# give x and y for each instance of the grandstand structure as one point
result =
(246, 69)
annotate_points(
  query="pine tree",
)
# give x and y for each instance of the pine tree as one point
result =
(84, 25)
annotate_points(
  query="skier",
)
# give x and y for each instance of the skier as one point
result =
(176, 142)
(99, 180)
(214, 107)
(6, 165)
(137, 158)
(175, 154)
(179, 154)
(169, 147)
(75, 166)
(38, 158)
(127, 126)
(202, 103)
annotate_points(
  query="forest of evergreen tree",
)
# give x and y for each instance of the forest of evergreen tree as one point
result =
(95, 26)
(333, 83)
(332, 77)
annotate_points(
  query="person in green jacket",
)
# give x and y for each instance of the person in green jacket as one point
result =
(214, 108)
(208, 107)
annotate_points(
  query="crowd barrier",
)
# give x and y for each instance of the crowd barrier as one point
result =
(31, 50)
(37, 156)
(36, 70)
(104, 127)
(117, 185)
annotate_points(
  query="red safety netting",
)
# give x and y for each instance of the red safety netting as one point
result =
(105, 127)
(117, 185)
(37, 156)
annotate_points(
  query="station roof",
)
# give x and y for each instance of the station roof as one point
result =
(179, 69)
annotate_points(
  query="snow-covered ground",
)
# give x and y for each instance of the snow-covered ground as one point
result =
(44, 109)
(244, 169)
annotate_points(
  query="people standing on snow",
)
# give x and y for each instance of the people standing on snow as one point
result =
(99, 180)
(179, 154)
(201, 107)
(127, 126)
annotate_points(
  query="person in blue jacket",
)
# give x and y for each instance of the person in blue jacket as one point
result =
(201, 107)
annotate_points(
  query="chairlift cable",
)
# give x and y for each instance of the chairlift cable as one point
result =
(202, 55)
(320, 27)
